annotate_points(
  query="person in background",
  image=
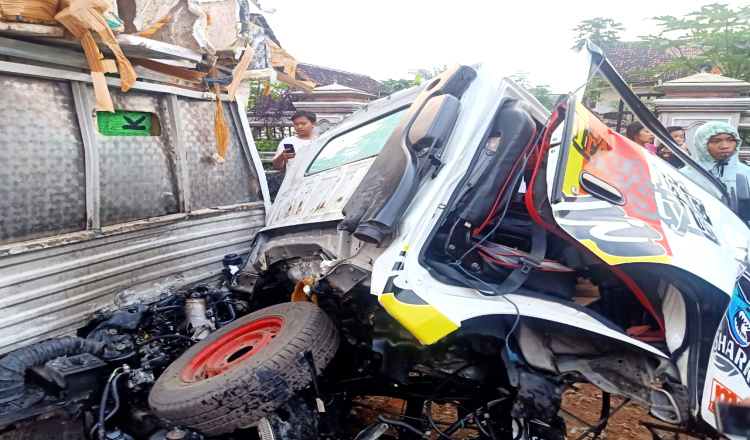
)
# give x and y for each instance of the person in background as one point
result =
(678, 134)
(641, 135)
(717, 150)
(304, 123)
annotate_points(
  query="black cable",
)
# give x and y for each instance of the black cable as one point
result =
(103, 406)
(167, 301)
(115, 397)
(492, 431)
(601, 422)
(397, 414)
(428, 404)
(478, 421)
(459, 424)
(102, 410)
(215, 310)
(230, 306)
(401, 425)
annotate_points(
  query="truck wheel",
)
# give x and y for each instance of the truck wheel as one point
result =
(243, 371)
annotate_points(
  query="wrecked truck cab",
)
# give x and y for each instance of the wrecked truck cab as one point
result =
(454, 244)
(494, 228)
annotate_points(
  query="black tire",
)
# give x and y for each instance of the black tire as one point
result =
(239, 397)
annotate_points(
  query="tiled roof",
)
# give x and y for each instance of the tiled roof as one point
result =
(324, 76)
(631, 56)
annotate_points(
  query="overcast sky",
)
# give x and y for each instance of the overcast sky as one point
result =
(387, 38)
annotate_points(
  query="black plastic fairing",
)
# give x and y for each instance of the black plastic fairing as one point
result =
(379, 202)
(516, 128)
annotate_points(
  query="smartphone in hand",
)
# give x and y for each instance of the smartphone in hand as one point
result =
(289, 148)
(733, 419)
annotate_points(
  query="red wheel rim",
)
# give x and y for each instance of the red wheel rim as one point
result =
(231, 349)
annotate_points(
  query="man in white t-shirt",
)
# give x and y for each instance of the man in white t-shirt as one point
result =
(304, 123)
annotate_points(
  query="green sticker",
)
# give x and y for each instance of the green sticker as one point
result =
(125, 123)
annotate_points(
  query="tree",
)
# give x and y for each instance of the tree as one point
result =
(542, 92)
(716, 34)
(599, 30)
(394, 85)
(270, 103)
(424, 74)
(391, 85)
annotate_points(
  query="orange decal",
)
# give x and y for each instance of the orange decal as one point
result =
(720, 393)
(600, 151)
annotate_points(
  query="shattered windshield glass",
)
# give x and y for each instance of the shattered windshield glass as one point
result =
(360, 143)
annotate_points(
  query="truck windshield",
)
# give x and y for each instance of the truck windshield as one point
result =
(360, 143)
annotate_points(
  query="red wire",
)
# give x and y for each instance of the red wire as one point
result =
(487, 257)
(509, 255)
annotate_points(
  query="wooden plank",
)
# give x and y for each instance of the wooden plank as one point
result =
(30, 29)
(103, 100)
(279, 56)
(258, 74)
(297, 84)
(40, 52)
(81, 17)
(182, 73)
(239, 71)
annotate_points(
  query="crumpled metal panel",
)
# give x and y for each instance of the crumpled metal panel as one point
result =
(212, 184)
(319, 197)
(53, 286)
(138, 178)
(36, 203)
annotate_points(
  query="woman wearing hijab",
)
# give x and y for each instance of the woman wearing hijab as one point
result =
(716, 149)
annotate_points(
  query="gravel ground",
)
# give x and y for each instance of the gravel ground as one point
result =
(583, 402)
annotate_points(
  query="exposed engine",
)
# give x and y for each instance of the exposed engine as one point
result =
(95, 385)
